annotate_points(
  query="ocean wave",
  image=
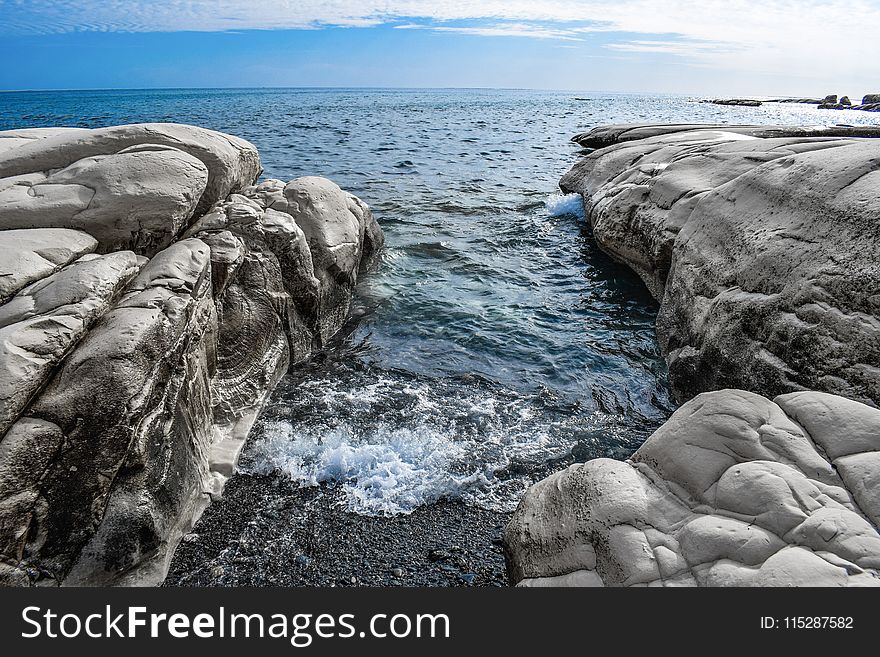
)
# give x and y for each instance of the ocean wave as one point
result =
(393, 444)
(394, 470)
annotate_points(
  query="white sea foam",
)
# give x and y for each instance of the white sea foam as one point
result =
(393, 470)
(423, 445)
(561, 204)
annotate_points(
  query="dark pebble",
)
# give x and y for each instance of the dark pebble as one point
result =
(304, 537)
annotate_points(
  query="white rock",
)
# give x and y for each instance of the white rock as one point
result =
(139, 198)
(44, 322)
(232, 163)
(729, 492)
(760, 243)
(27, 256)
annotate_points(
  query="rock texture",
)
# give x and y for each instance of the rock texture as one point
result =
(734, 490)
(760, 242)
(736, 102)
(151, 295)
(131, 187)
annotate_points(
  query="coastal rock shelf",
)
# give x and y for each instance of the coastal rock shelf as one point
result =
(870, 102)
(151, 295)
(761, 243)
(734, 490)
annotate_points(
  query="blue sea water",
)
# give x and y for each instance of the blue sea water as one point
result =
(494, 343)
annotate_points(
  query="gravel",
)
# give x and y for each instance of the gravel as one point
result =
(267, 531)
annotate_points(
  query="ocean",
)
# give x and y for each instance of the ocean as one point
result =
(493, 344)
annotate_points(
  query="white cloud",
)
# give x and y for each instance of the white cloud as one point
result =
(525, 30)
(824, 38)
(682, 48)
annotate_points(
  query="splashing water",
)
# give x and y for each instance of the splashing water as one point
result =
(496, 343)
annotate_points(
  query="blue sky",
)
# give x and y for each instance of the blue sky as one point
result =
(733, 47)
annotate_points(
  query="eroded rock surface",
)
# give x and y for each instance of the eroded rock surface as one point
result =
(761, 243)
(131, 187)
(734, 490)
(151, 295)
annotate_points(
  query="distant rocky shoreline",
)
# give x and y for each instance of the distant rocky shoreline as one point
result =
(763, 245)
(870, 102)
(152, 295)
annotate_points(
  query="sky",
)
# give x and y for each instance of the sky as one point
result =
(720, 47)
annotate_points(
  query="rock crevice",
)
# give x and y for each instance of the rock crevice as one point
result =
(761, 243)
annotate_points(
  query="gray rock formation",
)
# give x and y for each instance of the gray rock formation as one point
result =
(760, 244)
(27, 256)
(734, 490)
(736, 102)
(800, 101)
(609, 135)
(131, 187)
(871, 99)
(152, 295)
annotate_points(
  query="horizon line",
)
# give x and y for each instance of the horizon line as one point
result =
(378, 88)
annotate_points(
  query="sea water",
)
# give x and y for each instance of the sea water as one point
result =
(493, 343)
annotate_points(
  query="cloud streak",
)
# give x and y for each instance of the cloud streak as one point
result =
(771, 36)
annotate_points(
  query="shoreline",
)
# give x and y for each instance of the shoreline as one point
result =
(752, 238)
(268, 531)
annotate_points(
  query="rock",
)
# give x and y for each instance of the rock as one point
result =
(27, 256)
(147, 361)
(44, 322)
(830, 99)
(279, 300)
(232, 163)
(760, 249)
(609, 135)
(802, 101)
(871, 99)
(138, 198)
(845, 101)
(341, 232)
(15, 138)
(734, 490)
(129, 384)
(738, 102)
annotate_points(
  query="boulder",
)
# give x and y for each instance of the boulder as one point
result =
(734, 490)
(736, 102)
(801, 101)
(42, 323)
(15, 138)
(609, 135)
(138, 198)
(845, 101)
(129, 384)
(340, 231)
(28, 255)
(132, 461)
(830, 99)
(871, 99)
(232, 163)
(761, 250)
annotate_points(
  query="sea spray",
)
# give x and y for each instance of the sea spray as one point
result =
(559, 205)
